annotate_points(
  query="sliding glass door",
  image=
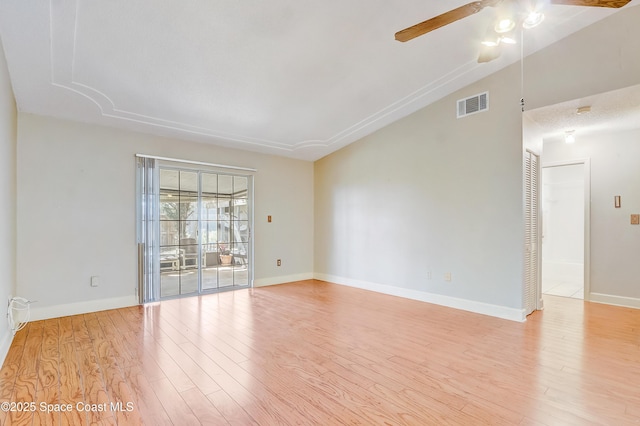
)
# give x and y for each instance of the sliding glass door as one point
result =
(224, 231)
(194, 233)
(179, 258)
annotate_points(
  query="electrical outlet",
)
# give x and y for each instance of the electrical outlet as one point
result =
(635, 219)
(447, 276)
(95, 281)
(279, 262)
(428, 275)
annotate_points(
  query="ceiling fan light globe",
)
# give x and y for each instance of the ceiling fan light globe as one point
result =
(504, 25)
(532, 20)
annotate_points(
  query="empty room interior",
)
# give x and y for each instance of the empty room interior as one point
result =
(240, 213)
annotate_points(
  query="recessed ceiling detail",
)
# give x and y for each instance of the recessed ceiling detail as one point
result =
(292, 79)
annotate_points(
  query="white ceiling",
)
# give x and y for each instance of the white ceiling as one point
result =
(294, 78)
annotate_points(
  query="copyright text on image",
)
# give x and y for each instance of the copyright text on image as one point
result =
(10, 406)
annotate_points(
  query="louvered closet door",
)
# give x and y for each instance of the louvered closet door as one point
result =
(531, 272)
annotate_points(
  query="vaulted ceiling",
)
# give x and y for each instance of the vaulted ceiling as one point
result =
(299, 79)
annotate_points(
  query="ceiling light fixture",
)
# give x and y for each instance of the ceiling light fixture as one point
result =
(504, 25)
(533, 19)
(504, 29)
(509, 37)
(491, 39)
(569, 136)
(492, 42)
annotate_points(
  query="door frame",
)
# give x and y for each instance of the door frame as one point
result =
(586, 163)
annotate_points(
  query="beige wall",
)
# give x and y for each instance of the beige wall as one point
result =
(433, 194)
(615, 243)
(7, 201)
(76, 212)
(430, 194)
(426, 195)
(600, 58)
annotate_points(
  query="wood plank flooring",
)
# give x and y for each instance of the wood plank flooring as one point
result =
(318, 353)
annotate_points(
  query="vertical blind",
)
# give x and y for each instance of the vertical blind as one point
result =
(147, 190)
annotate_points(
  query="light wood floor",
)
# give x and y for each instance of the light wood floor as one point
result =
(317, 353)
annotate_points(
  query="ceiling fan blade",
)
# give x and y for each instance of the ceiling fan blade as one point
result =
(593, 3)
(488, 54)
(447, 18)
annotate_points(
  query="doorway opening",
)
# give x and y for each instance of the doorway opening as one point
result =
(565, 213)
(194, 233)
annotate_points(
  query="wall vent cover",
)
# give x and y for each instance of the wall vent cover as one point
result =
(473, 104)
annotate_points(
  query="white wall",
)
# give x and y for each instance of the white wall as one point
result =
(615, 243)
(8, 119)
(76, 212)
(430, 194)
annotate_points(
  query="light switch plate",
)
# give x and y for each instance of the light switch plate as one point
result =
(635, 219)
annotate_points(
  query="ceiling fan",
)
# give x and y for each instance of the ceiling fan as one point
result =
(510, 12)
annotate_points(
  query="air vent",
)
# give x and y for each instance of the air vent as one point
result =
(473, 104)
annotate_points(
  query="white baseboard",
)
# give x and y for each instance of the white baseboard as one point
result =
(437, 299)
(628, 302)
(5, 345)
(262, 282)
(56, 311)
